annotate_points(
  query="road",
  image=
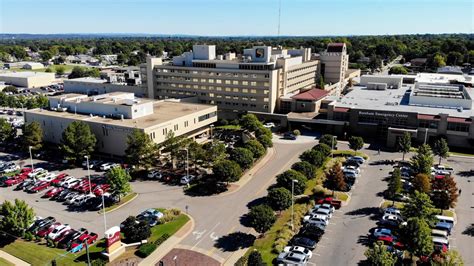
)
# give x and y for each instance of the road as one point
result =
(214, 216)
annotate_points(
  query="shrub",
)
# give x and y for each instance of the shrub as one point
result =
(257, 149)
(323, 148)
(242, 156)
(261, 218)
(242, 261)
(305, 168)
(286, 178)
(313, 157)
(265, 140)
(255, 259)
(161, 239)
(279, 198)
(223, 122)
(146, 249)
(328, 140)
(28, 236)
(99, 262)
(234, 122)
(169, 215)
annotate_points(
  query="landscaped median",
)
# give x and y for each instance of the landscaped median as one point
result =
(399, 205)
(123, 201)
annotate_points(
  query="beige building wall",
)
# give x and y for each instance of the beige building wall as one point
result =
(28, 79)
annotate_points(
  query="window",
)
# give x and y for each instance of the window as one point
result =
(235, 90)
(245, 90)
(245, 83)
(428, 124)
(186, 123)
(460, 127)
(253, 83)
(235, 82)
(175, 127)
(253, 91)
(227, 81)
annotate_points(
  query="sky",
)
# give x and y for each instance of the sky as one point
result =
(238, 17)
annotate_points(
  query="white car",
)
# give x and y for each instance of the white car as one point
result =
(321, 211)
(316, 218)
(58, 231)
(186, 179)
(358, 159)
(10, 168)
(292, 258)
(36, 172)
(108, 166)
(441, 167)
(70, 183)
(48, 177)
(351, 168)
(324, 206)
(75, 199)
(269, 125)
(66, 180)
(155, 174)
(298, 249)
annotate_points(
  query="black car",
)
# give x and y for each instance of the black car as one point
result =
(312, 232)
(23, 184)
(304, 242)
(40, 224)
(289, 135)
(62, 195)
(66, 241)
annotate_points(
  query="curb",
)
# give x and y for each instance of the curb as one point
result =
(10, 258)
(120, 206)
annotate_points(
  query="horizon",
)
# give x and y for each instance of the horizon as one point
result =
(224, 18)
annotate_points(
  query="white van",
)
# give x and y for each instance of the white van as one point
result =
(445, 219)
(439, 233)
(444, 168)
(439, 241)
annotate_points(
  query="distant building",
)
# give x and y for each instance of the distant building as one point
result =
(334, 62)
(33, 65)
(114, 116)
(455, 70)
(28, 79)
(96, 86)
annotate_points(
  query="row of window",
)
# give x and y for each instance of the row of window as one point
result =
(215, 81)
(246, 105)
(213, 73)
(218, 88)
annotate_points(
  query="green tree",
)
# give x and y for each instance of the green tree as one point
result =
(439, 61)
(398, 70)
(335, 178)
(46, 55)
(242, 156)
(422, 183)
(119, 179)
(356, 143)
(323, 148)
(419, 206)
(378, 255)
(417, 237)
(441, 149)
(11, 89)
(279, 198)
(448, 258)
(250, 122)
(445, 192)
(320, 83)
(77, 141)
(6, 130)
(328, 140)
(32, 136)
(135, 231)
(227, 171)
(395, 183)
(141, 150)
(48, 70)
(257, 149)
(422, 161)
(174, 145)
(286, 178)
(305, 168)
(255, 259)
(316, 158)
(261, 218)
(265, 140)
(404, 144)
(60, 69)
(18, 216)
(215, 151)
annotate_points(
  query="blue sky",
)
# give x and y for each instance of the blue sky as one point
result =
(237, 17)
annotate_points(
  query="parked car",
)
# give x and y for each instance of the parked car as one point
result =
(269, 125)
(331, 201)
(289, 135)
(45, 231)
(40, 186)
(324, 206)
(378, 232)
(15, 180)
(357, 159)
(321, 211)
(292, 259)
(352, 168)
(393, 211)
(304, 242)
(37, 172)
(107, 166)
(155, 174)
(60, 177)
(300, 250)
(187, 179)
(58, 231)
(9, 167)
(151, 216)
(48, 177)
(88, 238)
(53, 192)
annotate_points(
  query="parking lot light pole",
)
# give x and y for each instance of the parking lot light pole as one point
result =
(31, 159)
(103, 210)
(88, 174)
(426, 135)
(293, 181)
(187, 163)
(332, 146)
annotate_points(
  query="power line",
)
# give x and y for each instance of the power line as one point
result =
(279, 17)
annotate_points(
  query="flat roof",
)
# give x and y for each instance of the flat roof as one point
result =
(393, 100)
(87, 79)
(163, 112)
(25, 74)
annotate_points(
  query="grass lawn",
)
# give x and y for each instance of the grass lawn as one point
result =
(168, 228)
(461, 154)
(123, 201)
(5, 262)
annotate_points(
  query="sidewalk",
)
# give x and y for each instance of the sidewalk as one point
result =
(169, 244)
(13, 259)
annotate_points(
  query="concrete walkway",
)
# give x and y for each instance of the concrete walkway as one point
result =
(12, 259)
(169, 244)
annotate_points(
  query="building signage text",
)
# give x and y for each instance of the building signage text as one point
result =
(383, 114)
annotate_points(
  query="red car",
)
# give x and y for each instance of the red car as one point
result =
(40, 187)
(26, 171)
(16, 180)
(64, 235)
(388, 240)
(329, 200)
(46, 231)
(100, 189)
(58, 179)
(53, 192)
(86, 187)
(86, 238)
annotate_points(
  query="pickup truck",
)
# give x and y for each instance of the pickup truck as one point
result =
(329, 200)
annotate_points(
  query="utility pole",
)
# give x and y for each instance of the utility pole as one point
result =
(279, 17)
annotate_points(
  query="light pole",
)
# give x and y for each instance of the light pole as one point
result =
(31, 159)
(212, 131)
(426, 135)
(293, 181)
(187, 164)
(103, 209)
(332, 146)
(89, 174)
